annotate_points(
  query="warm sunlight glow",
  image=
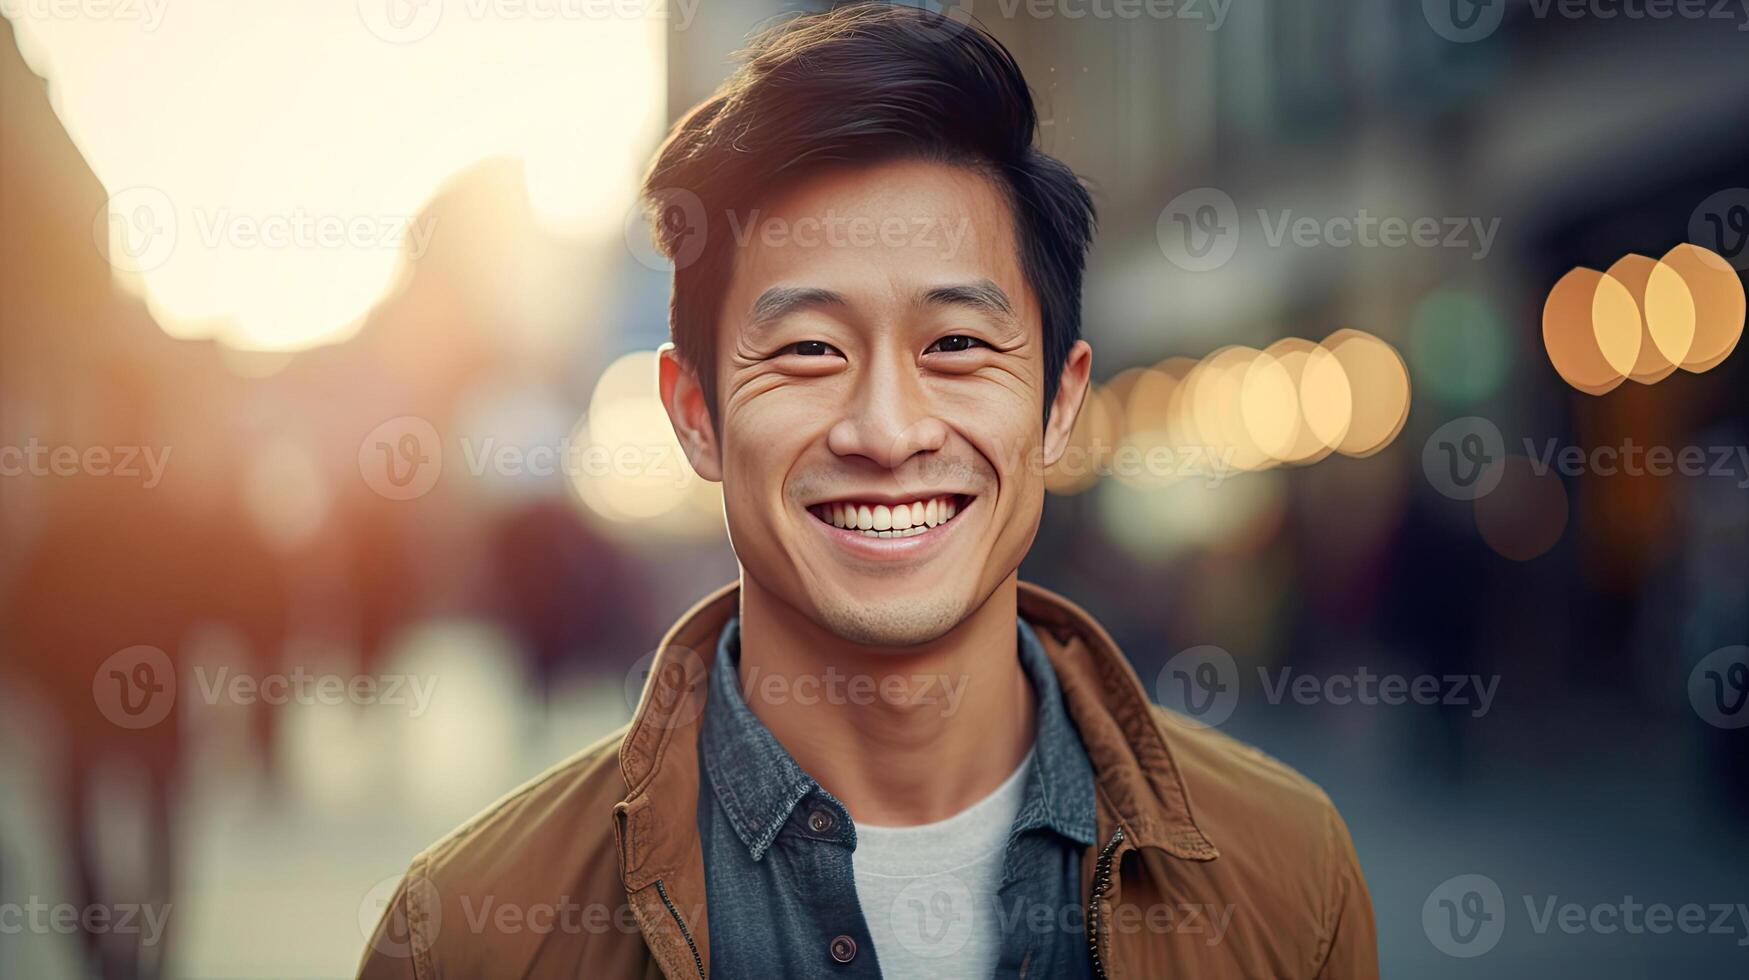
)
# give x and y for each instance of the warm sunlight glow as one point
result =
(269, 166)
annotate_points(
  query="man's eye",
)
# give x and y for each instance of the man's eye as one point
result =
(957, 342)
(811, 348)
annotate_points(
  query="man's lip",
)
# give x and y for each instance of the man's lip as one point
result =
(890, 499)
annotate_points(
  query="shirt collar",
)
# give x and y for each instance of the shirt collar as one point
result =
(1059, 790)
(753, 776)
(759, 784)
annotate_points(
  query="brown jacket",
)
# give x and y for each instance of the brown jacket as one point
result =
(1217, 861)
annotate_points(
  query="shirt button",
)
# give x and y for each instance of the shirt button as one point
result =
(843, 949)
(821, 821)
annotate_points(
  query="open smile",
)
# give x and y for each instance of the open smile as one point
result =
(894, 519)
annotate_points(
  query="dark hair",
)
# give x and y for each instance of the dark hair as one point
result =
(857, 85)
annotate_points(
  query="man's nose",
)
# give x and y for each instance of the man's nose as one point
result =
(888, 420)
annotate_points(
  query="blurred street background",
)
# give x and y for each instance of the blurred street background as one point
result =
(323, 325)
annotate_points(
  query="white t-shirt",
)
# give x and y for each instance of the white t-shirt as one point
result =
(928, 892)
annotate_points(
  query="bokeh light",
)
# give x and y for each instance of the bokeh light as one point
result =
(1326, 398)
(1156, 525)
(1380, 383)
(1458, 348)
(1219, 412)
(1147, 421)
(1718, 305)
(1269, 405)
(1666, 315)
(1240, 409)
(1526, 514)
(1591, 330)
(1643, 319)
(286, 493)
(627, 466)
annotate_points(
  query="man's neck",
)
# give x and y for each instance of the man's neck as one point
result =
(901, 736)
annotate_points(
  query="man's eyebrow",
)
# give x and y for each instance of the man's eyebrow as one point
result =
(983, 295)
(780, 301)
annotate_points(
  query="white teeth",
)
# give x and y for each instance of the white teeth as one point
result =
(890, 520)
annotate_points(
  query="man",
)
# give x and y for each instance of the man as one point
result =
(881, 754)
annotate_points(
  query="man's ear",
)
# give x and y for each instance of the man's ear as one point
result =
(689, 413)
(1066, 406)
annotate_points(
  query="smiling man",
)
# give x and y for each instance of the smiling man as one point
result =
(880, 754)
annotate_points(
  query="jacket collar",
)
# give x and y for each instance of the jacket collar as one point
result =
(1139, 785)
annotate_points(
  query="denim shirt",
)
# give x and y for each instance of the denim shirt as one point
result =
(777, 847)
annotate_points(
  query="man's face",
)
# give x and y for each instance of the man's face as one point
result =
(880, 378)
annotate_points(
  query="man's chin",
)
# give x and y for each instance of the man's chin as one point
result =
(891, 621)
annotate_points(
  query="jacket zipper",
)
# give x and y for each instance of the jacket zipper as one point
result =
(697, 960)
(1101, 882)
